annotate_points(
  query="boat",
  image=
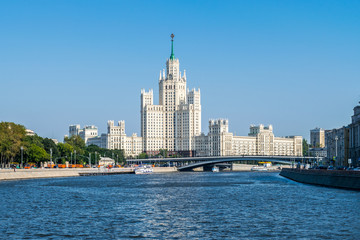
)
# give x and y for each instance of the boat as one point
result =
(265, 167)
(145, 169)
(215, 169)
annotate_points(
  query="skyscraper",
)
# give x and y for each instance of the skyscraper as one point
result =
(173, 123)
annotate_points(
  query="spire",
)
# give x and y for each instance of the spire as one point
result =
(172, 57)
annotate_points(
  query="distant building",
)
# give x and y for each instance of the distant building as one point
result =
(318, 152)
(317, 138)
(337, 142)
(260, 141)
(88, 132)
(106, 161)
(354, 137)
(29, 132)
(55, 140)
(116, 139)
(99, 141)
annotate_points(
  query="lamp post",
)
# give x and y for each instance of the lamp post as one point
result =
(95, 158)
(75, 156)
(336, 139)
(90, 160)
(50, 155)
(22, 150)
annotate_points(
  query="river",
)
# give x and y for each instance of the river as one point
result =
(201, 205)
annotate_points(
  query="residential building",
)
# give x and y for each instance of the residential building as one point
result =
(173, 123)
(317, 138)
(354, 137)
(86, 133)
(318, 152)
(116, 139)
(260, 141)
(337, 142)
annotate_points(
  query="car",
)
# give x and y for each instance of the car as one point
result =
(330, 168)
(340, 168)
(356, 169)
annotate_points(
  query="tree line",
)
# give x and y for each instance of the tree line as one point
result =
(14, 144)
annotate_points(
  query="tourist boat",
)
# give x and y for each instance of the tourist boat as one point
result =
(145, 169)
(265, 167)
(215, 169)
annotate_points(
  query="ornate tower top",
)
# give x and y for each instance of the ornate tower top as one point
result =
(172, 57)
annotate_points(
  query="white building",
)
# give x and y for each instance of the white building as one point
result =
(116, 139)
(88, 132)
(173, 123)
(260, 141)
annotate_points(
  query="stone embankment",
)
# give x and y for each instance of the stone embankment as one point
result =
(9, 174)
(327, 178)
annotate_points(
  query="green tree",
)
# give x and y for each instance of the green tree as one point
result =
(49, 144)
(143, 156)
(37, 154)
(164, 153)
(305, 147)
(11, 137)
(77, 143)
(65, 149)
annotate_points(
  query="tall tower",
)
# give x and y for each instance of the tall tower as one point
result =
(172, 93)
(173, 123)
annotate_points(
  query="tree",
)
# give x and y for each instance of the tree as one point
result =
(65, 149)
(11, 137)
(143, 155)
(49, 144)
(305, 147)
(163, 152)
(77, 143)
(37, 154)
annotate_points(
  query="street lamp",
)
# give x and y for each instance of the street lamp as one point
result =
(50, 155)
(75, 156)
(22, 150)
(95, 158)
(336, 139)
(90, 160)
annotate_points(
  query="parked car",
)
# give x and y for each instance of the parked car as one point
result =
(356, 169)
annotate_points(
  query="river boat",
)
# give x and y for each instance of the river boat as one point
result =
(215, 169)
(145, 169)
(265, 167)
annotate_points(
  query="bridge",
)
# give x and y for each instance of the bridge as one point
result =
(189, 163)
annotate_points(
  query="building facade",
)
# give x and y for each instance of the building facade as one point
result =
(260, 142)
(317, 138)
(176, 120)
(354, 137)
(116, 139)
(337, 142)
(88, 132)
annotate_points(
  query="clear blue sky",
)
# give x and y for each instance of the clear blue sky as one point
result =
(293, 64)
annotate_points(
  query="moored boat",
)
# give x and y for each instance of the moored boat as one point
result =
(215, 169)
(145, 169)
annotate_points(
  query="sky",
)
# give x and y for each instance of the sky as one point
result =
(292, 64)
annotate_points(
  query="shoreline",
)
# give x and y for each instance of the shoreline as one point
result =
(24, 174)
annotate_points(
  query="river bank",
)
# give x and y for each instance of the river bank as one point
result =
(327, 178)
(19, 174)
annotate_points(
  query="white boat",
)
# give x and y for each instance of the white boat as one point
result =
(146, 169)
(265, 167)
(215, 169)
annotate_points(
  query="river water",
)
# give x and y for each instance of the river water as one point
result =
(202, 205)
